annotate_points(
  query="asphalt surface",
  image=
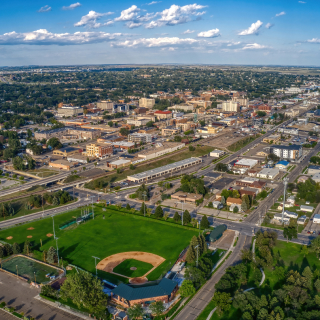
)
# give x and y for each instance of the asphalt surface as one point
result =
(193, 309)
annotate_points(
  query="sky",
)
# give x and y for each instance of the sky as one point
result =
(246, 32)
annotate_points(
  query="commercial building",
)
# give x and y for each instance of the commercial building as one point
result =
(229, 121)
(128, 296)
(251, 183)
(70, 111)
(293, 152)
(316, 218)
(282, 165)
(268, 173)
(170, 130)
(272, 139)
(313, 169)
(289, 131)
(67, 151)
(105, 105)
(230, 106)
(79, 158)
(163, 115)
(316, 177)
(182, 107)
(138, 122)
(170, 168)
(123, 145)
(118, 163)
(248, 191)
(147, 103)
(120, 107)
(217, 153)
(75, 133)
(62, 164)
(140, 137)
(246, 163)
(98, 150)
(157, 152)
(186, 197)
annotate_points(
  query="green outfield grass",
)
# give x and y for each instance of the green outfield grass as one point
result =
(124, 268)
(118, 232)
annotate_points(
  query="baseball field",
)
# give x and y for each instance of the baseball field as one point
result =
(117, 232)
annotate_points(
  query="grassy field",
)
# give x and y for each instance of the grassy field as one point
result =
(29, 191)
(118, 232)
(200, 151)
(124, 268)
(43, 173)
(29, 269)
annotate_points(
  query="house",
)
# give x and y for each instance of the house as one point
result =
(302, 219)
(231, 201)
(306, 208)
(278, 217)
(291, 214)
(286, 205)
(302, 179)
(252, 173)
(282, 165)
(313, 169)
(235, 205)
(217, 205)
(217, 153)
(316, 218)
(316, 177)
(186, 197)
(127, 295)
(268, 173)
(291, 200)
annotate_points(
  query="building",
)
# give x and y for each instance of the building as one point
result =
(147, 103)
(184, 126)
(289, 131)
(248, 191)
(165, 170)
(302, 179)
(163, 115)
(306, 208)
(216, 233)
(120, 107)
(67, 151)
(230, 201)
(123, 145)
(98, 150)
(159, 151)
(79, 158)
(68, 132)
(282, 165)
(313, 169)
(278, 217)
(316, 218)
(62, 164)
(272, 138)
(183, 107)
(118, 163)
(316, 177)
(217, 153)
(230, 106)
(251, 183)
(138, 122)
(217, 205)
(229, 121)
(170, 130)
(293, 152)
(186, 197)
(302, 219)
(105, 105)
(268, 173)
(69, 111)
(128, 296)
(140, 137)
(246, 163)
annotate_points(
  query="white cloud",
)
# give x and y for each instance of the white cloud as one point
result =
(72, 6)
(301, 1)
(128, 14)
(44, 37)
(314, 40)
(176, 15)
(131, 24)
(188, 31)
(254, 46)
(269, 25)
(46, 8)
(280, 14)
(153, 2)
(90, 20)
(253, 29)
(209, 34)
(155, 42)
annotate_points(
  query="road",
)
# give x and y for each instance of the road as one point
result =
(193, 309)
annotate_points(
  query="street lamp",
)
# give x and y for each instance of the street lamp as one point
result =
(95, 262)
(57, 249)
(92, 205)
(144, 197)
(54, 233)
(197, 247)
(181, 212)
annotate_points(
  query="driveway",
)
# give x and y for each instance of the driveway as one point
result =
(17, 293)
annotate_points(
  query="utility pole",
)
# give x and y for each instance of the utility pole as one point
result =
(144, 197)
(42, 205)
(285, 182)
(54, 233)
(95, 262)
(197, 247)
(92, 206)
(181, 212)
(57, 249)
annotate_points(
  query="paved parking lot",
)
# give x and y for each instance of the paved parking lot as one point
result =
(222, 183)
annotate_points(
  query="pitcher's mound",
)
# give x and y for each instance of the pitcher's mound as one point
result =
(138, 281)
(49, 235)
(31, 228)
(9, 238)
(29, 237)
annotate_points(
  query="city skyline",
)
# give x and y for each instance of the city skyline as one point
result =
(187, 32)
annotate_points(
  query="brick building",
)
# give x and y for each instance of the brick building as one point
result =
(98, 150)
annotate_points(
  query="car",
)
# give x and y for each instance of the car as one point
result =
(230, 188)
(308, 232)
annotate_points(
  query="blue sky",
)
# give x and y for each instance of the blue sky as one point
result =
(211, 32)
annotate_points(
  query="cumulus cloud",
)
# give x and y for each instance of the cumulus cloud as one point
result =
(314, 40)
(269, 25)
(155, 42)
(188, 31)
(44, 37)
(177, 15)
(209, 34)
(46, 8)
(133, 17)
(253, 29)
(90, 20)
(280, 14)
(253, 46)
(153, 2)
(72, 6)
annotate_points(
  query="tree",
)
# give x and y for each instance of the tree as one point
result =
(221, 167)
(16, 248)
(290, 232)
(244, 206)
(157, 308)
(317, 285)
(187, 288)
(222, 301)
(132, 167)
(204, 224)
(191, 148)
(186, 217)
(246, 255)
(52, 256)
(54, 143)
(85, 290)
(308, 274)
(124, 132)
(279, 272)
(305, 251)
(176, 217)
(135, 312)
(235, 209)
(158, 212)
(128, 206)
(110, 124)
(191, 254)
(27, 247)
(315, 246)
(143, 208)
(210, 204)
(48, 291)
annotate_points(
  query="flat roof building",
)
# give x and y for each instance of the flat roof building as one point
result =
(246, 163)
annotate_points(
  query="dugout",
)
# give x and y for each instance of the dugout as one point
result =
(216, 233)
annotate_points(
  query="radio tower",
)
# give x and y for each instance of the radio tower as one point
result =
(285, 182)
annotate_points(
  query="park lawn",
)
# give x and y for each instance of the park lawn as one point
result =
(232, 314)
(293, 259)
(118, 232)
(200, 151)
(124, 268)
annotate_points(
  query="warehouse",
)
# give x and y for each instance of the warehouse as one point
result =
(67, 151)
(169, 168)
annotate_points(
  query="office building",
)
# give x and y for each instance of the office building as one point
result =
(69, 111)
(230, 106)
(140, 137)
(293, 152)
(98, 150)
(147, 103)
(105, 105)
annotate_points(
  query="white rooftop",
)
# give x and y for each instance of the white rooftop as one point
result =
(247, 162)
